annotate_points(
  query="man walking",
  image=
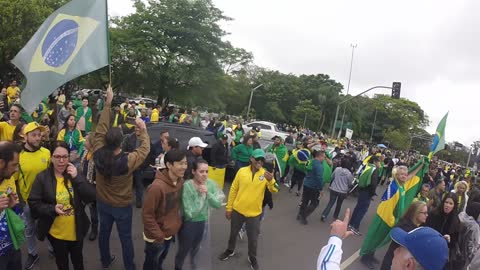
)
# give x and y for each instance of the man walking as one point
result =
(245, 204)
(367, 184)
(312, 187)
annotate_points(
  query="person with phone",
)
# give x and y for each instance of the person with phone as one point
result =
(57, 200)
(245, 204)
(10, 257)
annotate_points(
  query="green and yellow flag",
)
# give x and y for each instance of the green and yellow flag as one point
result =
(389, 210)
(439, 138)
(71, 42)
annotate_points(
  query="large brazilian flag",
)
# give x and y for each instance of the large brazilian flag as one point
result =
(71, 42)
(389, 212)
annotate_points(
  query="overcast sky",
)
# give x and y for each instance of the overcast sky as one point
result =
(431, 46)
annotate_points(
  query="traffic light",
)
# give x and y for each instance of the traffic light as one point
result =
(396, 89)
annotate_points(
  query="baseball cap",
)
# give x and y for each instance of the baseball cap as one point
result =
(258, 153)
(33, 126)
(427, 245)
(196, 141)
(224, 137)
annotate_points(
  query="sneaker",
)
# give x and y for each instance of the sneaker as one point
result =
(31, 261)
(253, 263)
(107, 267)
(226, 255)
(322, 218)
(286, 184)
(298, 193)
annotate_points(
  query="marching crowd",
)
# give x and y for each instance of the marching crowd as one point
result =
(68, 156)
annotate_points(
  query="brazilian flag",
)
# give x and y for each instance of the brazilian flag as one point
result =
(439, 138)
(389, 210)
(72, 41)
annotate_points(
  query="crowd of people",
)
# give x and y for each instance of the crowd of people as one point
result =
(67, 156)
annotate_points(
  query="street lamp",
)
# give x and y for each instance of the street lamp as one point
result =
(348, 85)
(250, 101)
(347, 100)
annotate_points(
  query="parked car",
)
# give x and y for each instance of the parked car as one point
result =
(149, 103)
(268, 129)
(183, 134)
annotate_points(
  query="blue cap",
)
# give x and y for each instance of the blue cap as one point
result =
(427, 245)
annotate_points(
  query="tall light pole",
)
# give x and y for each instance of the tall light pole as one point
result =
(350, 98)
(250, 101)
(348, 88)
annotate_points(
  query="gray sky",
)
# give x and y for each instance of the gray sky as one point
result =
(431, 46)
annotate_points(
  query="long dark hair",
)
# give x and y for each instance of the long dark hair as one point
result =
(65, 125)
(113, 140)
(66, 177)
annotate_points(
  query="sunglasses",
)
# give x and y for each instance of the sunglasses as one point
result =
(260, 159)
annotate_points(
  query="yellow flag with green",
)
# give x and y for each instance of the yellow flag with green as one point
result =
(72, 41)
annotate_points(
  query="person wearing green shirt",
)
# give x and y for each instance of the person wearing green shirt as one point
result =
(198, 196)
(281, 153)
(83, 117)
(239, 133)
(242, 152)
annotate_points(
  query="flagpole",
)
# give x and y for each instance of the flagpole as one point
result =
(108, 45)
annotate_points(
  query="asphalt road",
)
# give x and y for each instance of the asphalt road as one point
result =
(283, 243)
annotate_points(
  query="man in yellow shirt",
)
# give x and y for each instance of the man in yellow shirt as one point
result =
(245, 204)
(7, 128)
(13, 91)
(33, 160)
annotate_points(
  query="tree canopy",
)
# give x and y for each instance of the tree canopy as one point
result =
(178, 49)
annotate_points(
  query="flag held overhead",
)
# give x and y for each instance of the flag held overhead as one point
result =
(439, 138)
(71, 42)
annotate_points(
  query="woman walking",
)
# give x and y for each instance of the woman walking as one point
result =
(198, 196)
(57, 201)
(341, 178)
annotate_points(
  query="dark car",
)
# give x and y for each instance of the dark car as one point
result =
(117, 100)
(183, 134)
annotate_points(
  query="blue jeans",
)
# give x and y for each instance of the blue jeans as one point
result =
(334, 197)
(361, 208)
(122, 216)
(155, 254)
(138, 181)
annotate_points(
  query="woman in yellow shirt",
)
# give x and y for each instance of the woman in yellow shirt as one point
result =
(57, 201)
